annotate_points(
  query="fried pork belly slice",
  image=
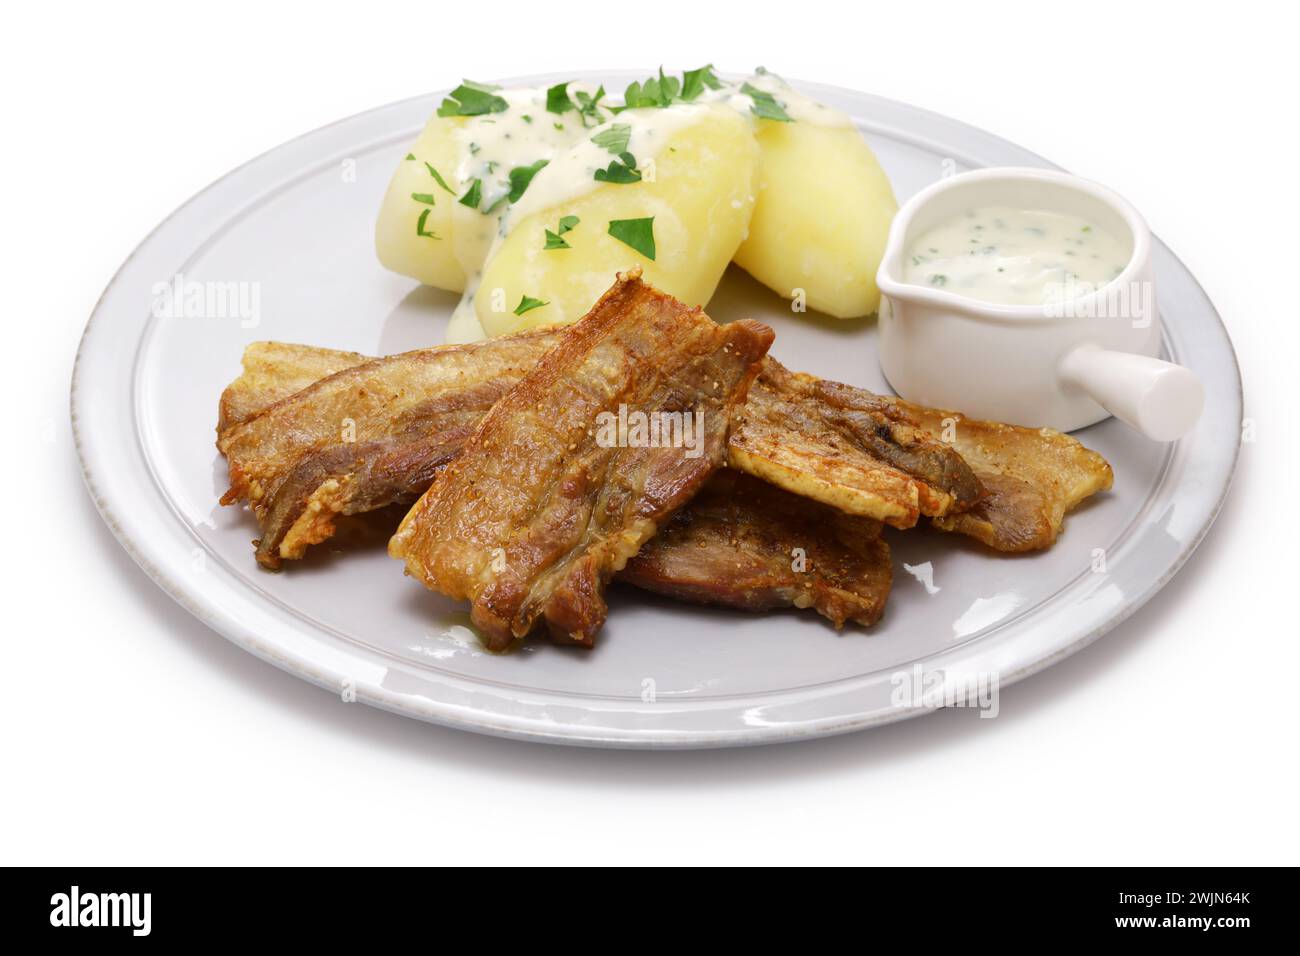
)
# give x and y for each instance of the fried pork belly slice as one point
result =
(848, 448)
(789, 433)
(1033, 477)
(541, 508)
(834, 443)
(275, 370)
(732, 545)
(365, 437)
(746, 544)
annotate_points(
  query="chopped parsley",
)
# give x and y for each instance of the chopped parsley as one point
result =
(938, 279)
(426, 198)
(557, 99)
(587, 106)
(437, 177)
(473, 99)
(621, 170)
(614, 139)
(661, 91)
(637, 233)
(694, 82)
(410, 156)
(765, 105)
(555, 240)
(657, 91)
(521, 176)
(527, 304)
(474, 195)
(419, 226)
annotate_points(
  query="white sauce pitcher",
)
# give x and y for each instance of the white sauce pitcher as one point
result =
(1063, 364)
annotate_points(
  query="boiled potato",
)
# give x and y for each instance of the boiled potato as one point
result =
(424, 250)
(822, 216)
(700, 200)
(809, 219)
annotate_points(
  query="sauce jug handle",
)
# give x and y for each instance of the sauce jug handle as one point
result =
(1159, 399)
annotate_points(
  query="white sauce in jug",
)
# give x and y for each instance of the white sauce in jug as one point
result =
(1016, 256)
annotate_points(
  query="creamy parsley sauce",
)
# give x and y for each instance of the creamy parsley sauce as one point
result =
(800, 108)
(572, 173)
(490, 147)
(1016, 256)
(464, 326)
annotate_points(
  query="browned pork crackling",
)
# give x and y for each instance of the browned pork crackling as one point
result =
(282, 432)
(368, 436)
(537, 512)
(302, 452)
(312, 434)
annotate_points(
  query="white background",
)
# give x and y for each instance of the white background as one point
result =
(131, 734)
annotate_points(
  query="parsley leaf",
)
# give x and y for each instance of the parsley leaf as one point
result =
(661, 91)
(419, 226)
(614, 139)
(438, 178)
(410, 156)
(765, 105)
(557, 98)
(473, 99)
(622, 170)
(669, 88)
(555, 240)
(473, 195)
(637, 233)
(521, 176)
(589, 107)
(657, 91)
(426, 198)
(694, 81)
(527, 304)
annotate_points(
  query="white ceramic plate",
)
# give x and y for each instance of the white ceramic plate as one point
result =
(296, 225)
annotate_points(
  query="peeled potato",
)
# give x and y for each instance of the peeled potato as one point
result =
(822, 217)
(427, 253)
(701, 200)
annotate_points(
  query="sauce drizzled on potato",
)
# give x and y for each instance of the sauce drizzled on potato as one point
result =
(494, 159)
